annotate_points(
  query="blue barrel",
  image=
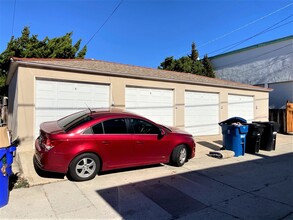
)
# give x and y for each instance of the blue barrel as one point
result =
(9, 159)
(4, 179)
(234, 135)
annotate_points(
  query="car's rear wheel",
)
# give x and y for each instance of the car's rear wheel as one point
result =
(179, 155)
(84, 167)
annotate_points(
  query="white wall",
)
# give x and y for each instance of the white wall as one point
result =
(263, 64)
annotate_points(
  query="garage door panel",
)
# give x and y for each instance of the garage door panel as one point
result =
(241, 106)
(64, 104)
(201, 113)
(155, 104)
(65, 87)
(84, 88)
(45, 103)
(56, 99)
(45, 94)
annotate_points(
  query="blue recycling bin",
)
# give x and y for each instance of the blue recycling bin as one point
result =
(234, 135)
(6, 160)
(4, 179)
(9, 158)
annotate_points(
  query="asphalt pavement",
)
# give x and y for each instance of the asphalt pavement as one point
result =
(245, 187)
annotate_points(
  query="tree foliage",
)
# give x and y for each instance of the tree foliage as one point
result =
(189, 64)
(208, 68)
(29, 46)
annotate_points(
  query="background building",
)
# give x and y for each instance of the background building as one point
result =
(269, 64)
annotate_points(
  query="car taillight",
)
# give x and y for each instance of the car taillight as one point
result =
(48, 144)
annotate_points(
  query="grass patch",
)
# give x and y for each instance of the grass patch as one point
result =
(16, 181)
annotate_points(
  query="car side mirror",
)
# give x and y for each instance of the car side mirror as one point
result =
(162, 132)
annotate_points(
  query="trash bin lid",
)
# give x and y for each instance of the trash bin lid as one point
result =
(255, 127)
(233, 120)
(274, 126)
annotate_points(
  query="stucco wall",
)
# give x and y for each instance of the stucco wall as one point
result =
(26, 96)
(265, 64)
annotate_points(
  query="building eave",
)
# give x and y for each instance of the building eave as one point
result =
(19, 63)
(252, 47)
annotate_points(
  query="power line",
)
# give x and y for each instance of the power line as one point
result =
(271, 28)
(13, 18)
(244, 26)
(108, 18)
(233, 45)
(254, 57)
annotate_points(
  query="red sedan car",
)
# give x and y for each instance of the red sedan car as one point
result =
(84, 143)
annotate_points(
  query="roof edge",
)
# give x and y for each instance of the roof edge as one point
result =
(290, 37)
(19, 62)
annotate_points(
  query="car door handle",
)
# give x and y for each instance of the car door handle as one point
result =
(139, 142)
(105, 142)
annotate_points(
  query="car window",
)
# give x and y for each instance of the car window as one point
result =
(96, 129)
(143, 127)
(69, 122)
(115, 126)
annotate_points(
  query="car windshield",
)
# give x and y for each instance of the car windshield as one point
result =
(69, 122)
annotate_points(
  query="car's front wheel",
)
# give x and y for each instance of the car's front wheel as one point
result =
(84, 167)
(179, 155)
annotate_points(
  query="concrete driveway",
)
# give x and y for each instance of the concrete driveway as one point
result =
(246, 187)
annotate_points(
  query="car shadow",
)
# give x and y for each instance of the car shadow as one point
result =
(129, 169)
(46, 174)
(53, 175)
(209, 193)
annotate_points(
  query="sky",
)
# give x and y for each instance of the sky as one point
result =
(145, 32)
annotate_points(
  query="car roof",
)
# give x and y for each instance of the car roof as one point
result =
(97, 113)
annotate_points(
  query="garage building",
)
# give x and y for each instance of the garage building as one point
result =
(48, 89)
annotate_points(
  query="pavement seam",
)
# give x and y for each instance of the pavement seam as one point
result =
(84, 195)
(217, 210)
(244, 191)
(286, 215)
(211, 205)
(46, 195)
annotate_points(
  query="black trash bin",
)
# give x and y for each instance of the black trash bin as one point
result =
(269, 135)
(253, 137)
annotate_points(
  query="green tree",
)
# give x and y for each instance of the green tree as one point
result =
(167, 64)
(183, 64)
(29, 46)
(208, 68)
(194, 52)
(189, 64)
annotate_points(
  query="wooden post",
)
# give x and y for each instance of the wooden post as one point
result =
(289, 114)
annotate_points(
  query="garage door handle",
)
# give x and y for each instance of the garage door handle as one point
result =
(139, 142)
(105, 142)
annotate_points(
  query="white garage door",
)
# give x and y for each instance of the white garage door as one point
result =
(154, 104)
(56, 99)
(241, 106)
(201, 113)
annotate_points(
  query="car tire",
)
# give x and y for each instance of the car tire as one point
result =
(84, 167)
(179, 155)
